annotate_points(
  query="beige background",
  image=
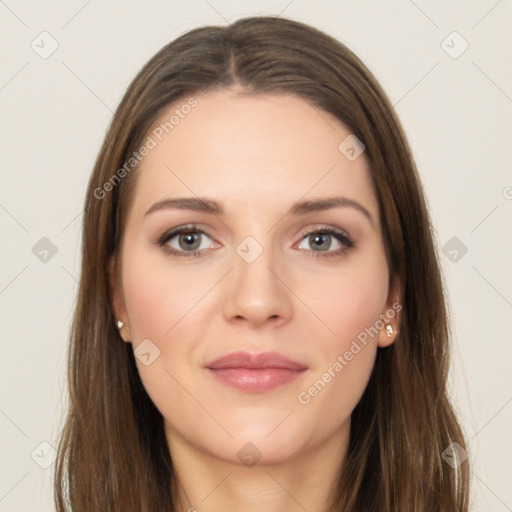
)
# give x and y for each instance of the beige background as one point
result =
(457, 113)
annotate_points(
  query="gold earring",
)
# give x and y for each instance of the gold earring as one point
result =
(389, 330)
(119, 324)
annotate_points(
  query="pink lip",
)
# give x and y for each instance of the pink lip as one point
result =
(255, 373)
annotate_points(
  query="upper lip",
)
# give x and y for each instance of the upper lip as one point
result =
(254, 361)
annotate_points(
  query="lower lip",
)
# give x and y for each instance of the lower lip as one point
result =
(255, 381)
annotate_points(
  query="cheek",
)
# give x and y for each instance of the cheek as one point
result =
(347, 300)
(344, 364)
(349, 303)
(328, 399)
(166, 304)
(159, 295)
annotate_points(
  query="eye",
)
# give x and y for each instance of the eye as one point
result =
(185, 241)
(189, 241)
(322, 239)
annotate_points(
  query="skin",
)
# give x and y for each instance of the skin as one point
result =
(256, 155)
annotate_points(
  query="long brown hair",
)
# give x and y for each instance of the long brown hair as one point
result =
(113, 454)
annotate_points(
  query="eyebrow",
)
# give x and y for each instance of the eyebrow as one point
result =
(199, 204)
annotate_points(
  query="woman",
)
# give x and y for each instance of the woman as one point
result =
(261, 320)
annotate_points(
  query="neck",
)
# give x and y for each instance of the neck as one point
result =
(302, 481)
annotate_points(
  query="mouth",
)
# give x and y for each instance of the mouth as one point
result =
(255, 373)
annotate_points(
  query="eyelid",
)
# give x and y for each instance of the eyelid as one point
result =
(322, 228)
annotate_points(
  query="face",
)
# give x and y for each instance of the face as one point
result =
(308, 283)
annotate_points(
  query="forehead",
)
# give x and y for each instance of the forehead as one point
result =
(249, 150)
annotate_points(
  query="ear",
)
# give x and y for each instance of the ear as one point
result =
(391, 315)
(117, 300)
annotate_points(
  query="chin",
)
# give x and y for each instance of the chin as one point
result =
(273, 443)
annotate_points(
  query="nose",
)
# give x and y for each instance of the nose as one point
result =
(257, 292)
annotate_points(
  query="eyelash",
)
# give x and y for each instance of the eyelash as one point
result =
(193, 229)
